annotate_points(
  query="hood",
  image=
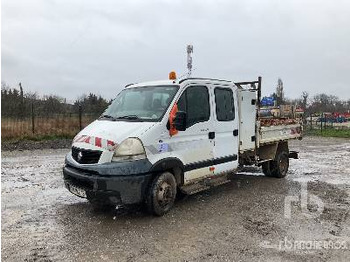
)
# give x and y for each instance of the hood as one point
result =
(107, 134)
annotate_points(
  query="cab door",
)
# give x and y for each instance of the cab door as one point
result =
(194, 146)
(226, 129)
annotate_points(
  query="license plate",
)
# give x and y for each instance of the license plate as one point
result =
(77, 190)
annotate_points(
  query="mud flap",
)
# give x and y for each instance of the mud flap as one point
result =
(294, 154)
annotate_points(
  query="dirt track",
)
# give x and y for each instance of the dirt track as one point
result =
(244, 220)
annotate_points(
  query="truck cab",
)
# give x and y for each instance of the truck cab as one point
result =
(160, 139)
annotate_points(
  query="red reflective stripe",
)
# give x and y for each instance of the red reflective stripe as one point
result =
(110, 143)
(87, 140)
(81, 139)
(98, 142)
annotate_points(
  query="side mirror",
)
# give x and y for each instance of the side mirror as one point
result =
(180, 121)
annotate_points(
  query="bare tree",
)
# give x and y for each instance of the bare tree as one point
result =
(305, 96)
(279, 92)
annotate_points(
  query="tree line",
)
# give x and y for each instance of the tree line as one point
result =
(17, 103)
(312, 105)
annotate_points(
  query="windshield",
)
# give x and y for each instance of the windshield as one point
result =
(141, 103)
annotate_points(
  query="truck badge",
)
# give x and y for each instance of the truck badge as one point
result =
(80, 156)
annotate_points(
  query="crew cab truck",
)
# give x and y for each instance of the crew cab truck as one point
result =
(166, 138)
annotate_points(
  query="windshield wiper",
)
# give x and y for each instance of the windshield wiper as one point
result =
(108, 116)
(131, 117)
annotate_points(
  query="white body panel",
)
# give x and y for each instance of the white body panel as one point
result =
(226, 144)
(194, 145)
(251, 134)
(247, 118)
(270, 134)
(110, 130)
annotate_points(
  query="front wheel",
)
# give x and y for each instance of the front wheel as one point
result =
(161, 194)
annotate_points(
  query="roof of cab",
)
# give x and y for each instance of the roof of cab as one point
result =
(154, 83)
(178, 81)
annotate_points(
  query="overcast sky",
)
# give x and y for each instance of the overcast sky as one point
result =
(68, 48)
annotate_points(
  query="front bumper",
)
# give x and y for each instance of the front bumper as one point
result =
(116, 183)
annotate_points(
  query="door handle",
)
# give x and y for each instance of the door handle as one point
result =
(211, 135)
(235, 132)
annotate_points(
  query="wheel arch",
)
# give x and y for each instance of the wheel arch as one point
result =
(282, 146)
(171, 164)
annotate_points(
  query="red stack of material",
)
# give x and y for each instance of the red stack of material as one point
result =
(277, 121)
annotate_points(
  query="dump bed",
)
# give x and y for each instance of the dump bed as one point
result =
(259, 126)
(281, 125)
(269, 134)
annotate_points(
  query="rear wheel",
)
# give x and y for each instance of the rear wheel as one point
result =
(266, 168)
(278, 167)
(161, 194)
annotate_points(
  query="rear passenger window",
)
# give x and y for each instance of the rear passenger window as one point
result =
(225, 107)
(195, 102)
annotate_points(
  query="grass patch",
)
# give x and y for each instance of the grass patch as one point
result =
(329, 132)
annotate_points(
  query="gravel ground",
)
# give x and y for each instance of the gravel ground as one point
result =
(245, 220)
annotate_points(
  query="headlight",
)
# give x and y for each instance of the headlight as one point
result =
(129, 149)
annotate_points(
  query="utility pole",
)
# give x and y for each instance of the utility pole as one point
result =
(189, 60)
(21, 113)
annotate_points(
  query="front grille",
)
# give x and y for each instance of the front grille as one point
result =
(86, 156)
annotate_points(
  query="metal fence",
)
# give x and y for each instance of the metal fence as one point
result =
(37, 125)
(327, 127)
(315, 123)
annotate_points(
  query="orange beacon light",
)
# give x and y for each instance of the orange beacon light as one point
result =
(172, 75)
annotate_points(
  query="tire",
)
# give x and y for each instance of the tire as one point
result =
(278, 167)
(161, 194)
(266, 168)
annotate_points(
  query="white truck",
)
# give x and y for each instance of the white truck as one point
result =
(161, 139)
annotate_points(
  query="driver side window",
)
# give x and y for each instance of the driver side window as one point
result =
(195, 102)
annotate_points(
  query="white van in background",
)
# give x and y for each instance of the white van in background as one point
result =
(159, 139)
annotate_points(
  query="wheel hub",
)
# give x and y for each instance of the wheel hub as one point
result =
(165, 194)
(283, 163)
